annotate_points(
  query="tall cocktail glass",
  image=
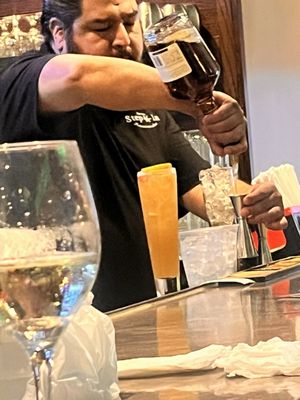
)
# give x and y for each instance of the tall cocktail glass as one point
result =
(158, 193)
(49, 245)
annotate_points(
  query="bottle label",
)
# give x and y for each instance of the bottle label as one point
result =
(170, 63)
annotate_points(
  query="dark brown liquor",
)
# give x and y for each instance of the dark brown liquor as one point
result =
(183, 60)
(199, 83)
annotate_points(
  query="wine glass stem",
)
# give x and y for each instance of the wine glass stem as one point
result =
(207, 105)
(42, 381)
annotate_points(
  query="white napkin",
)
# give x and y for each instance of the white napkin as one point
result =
(150, 366)
(265, 359)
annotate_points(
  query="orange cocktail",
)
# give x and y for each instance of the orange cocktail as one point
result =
(158, 193)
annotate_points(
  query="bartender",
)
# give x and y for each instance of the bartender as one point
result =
(87, 84)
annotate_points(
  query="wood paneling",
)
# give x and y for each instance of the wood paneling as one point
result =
(227, 22)
(9, 7)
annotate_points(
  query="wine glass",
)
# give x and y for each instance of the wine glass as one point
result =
(49, 245)
(185, 64)
(183, 60)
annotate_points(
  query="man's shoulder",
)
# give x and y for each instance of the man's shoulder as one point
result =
(31, 58)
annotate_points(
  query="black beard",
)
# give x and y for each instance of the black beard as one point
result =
(71, 46)
(125, 55)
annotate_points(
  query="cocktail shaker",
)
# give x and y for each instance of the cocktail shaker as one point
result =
(246, 252)
(265, 256)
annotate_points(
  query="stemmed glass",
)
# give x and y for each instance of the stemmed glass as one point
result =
(185, 63)
(49, 245)
(183, 60)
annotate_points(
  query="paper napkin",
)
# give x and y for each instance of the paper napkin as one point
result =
(150, 366)
(265, 359)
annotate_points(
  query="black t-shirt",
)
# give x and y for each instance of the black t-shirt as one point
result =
(114, 147)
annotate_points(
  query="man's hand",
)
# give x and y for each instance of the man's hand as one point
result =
(264, 204)
(225, 128)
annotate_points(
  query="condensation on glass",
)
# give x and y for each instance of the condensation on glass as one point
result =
(201, 146)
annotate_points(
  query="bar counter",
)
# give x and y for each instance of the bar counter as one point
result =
(198, 317)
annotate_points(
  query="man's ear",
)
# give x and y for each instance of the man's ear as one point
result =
(57, 30)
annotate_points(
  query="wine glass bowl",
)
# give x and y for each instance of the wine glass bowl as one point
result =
(49, 244)
(183, 60)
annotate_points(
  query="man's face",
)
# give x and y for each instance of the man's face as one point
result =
(107, 28)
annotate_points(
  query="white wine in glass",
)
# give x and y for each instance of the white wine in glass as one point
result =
(49, 245)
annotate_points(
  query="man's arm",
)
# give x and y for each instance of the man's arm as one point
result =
(193, 200)
(263, 203)
(70, 81)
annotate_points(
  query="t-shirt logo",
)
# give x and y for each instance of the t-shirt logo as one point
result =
(142, 120)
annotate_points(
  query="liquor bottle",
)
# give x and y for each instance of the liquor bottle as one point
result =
(183, 60)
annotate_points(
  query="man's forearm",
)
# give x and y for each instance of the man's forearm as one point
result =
(194, 200)
(69, 81)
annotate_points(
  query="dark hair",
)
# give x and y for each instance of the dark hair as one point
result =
(65, 10)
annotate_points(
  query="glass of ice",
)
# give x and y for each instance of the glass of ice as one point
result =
(49, 245)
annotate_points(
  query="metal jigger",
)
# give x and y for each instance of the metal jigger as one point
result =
(246, 252)
(265, 256)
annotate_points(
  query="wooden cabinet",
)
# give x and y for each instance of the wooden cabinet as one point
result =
(9, 7)
(223, 19)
